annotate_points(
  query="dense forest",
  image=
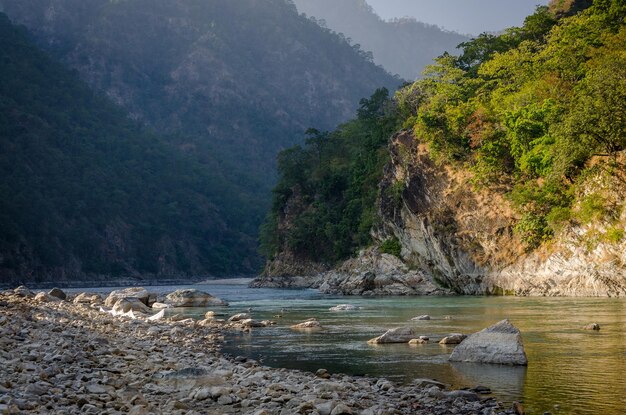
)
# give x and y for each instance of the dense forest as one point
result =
(86, 191)
(526, 113)
(403, 46)
(166, 169)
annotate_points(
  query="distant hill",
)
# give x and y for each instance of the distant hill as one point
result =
(175, 180)
(403, 46)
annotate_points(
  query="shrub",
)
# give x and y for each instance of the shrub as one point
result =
(391, 246)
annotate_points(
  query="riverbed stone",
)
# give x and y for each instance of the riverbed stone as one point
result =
(87, 298)
(139, 293)
(192, 297)
(58, 293)
(124, 305)
(499, 344)
(344, 307)
(421, 318)
(397, 335)
(239, 317)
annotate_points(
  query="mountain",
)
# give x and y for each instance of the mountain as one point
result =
(86, 193)
(403, 46)
(248, 76)
(165, 170)
(504, 174)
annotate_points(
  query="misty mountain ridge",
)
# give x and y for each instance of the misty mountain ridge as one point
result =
(403, 46)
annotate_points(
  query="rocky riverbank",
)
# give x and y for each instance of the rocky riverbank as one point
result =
(75, 356)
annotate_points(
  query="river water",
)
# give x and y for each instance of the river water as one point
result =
(570, 370)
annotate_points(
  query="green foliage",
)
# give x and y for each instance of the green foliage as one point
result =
(592, 207)
(325, 201)
(614, 234)
(530, 107)
(391, 246)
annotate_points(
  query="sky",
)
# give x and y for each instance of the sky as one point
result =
(463, 16)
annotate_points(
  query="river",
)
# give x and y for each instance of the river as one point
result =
(570, 370)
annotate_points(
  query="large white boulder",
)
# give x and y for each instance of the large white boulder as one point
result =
(191, 297)
(397, 335)
(139, 293)
(500, 344)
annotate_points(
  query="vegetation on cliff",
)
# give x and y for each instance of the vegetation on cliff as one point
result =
(527, 113)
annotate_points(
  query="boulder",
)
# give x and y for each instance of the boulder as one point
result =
(160, 306)
(238, 317)
(23, 291)
(45, 298)
(124, 305)
(418, 341)
(592, 326)
(344, 307)
(500, 344)
(139, 293)
(58, 293)
(424, 317)
(310, 324)
(192, 297)
(454, 338)
(397, 335)
(210, 315)
(87, 298)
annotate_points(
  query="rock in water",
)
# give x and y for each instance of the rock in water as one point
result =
(237, 317)
(193, 298)
(398, 335)
(500, 344)
(60, 294)
(310, 324)
(592, 326)
(139, 293)
(424, 317)
(454, 338)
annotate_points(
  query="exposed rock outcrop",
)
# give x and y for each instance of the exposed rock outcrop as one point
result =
(376, 273)
(500, 344)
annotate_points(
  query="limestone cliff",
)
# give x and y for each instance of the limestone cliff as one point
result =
(463, 236)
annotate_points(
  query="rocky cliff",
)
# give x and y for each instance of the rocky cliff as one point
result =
(457, 237)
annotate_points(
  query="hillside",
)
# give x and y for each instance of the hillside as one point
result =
(402, 46)
(220, 87)
(248, 76)
(504, 177)
(87, 194)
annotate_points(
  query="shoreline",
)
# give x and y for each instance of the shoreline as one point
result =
(62, 357)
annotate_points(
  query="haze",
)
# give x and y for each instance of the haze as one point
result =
(463, 16)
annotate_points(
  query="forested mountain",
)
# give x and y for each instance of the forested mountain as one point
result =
(403, 46)
(175, 179)
(86, 192)
(248, 76)
(507, 173)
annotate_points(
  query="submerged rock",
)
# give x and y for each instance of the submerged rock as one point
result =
(500, 344)
(344, 307)
(424, 317)
(397, 335)
(192, 297)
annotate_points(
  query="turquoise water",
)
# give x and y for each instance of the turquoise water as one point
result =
(570, 371)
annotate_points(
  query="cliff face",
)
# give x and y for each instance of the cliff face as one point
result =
(464, 237)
